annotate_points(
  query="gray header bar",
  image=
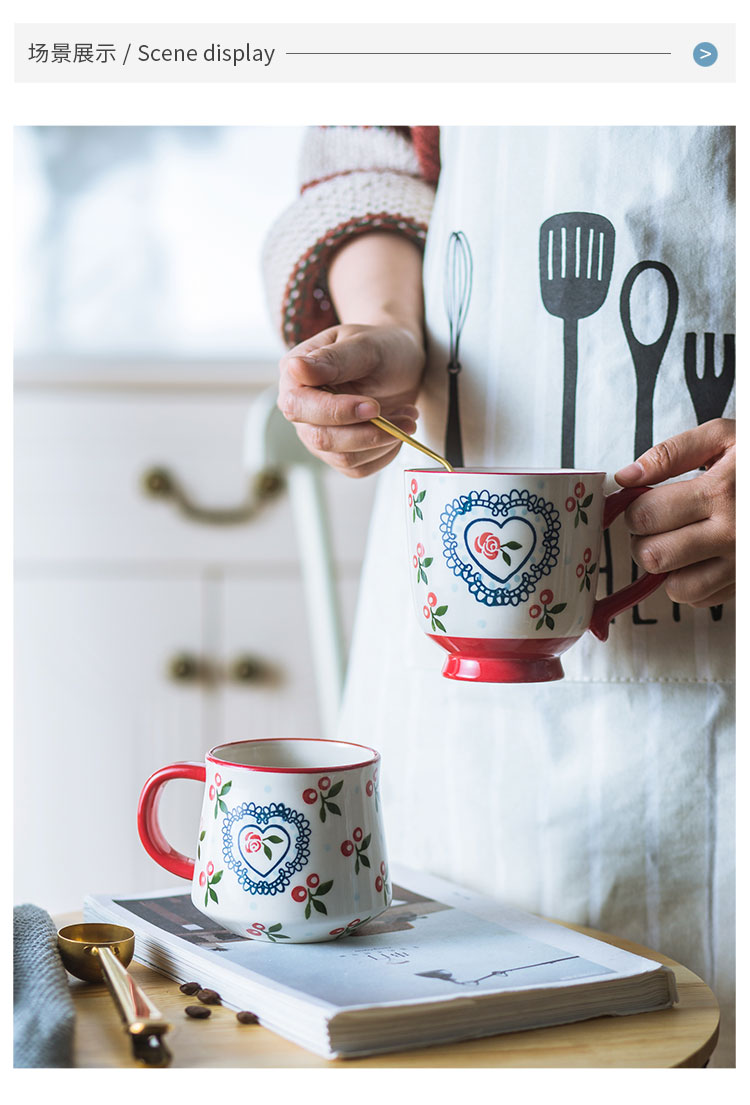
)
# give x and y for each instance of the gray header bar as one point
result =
(440, 53)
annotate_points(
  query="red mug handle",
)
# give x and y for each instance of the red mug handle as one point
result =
(605, 609)
(149, 829)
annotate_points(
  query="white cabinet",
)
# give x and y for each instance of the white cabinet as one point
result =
(111, 587)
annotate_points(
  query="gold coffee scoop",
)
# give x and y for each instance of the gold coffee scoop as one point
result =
(96, 952)
(384, 424)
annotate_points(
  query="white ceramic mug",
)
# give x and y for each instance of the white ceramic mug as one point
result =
(291, 846)
(504, 565)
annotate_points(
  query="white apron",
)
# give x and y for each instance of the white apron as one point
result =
(606, 798)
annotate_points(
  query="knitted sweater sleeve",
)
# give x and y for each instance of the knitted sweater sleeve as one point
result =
(353, 180)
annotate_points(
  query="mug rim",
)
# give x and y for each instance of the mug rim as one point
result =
(374, 758)
(509, 471)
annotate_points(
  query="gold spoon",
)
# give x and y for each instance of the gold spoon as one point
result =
(96, 952)
(389, 428)
(394, 431)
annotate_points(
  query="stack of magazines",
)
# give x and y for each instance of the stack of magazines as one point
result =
(441, 964)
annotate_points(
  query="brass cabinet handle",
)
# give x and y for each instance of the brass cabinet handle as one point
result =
(186, 668)
(248, 669)
(160, 483)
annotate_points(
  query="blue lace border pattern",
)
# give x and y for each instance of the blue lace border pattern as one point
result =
(501, 506)
(266, 814)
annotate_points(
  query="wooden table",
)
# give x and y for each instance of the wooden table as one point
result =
(684, 1036)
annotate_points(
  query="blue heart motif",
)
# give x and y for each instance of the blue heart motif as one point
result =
(500, 549)
(263, 849)
(500, 545)
(265, 845)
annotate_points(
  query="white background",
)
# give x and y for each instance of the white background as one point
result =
(294, 106)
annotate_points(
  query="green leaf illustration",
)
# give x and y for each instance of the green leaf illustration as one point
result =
(550, 623)
(418, 512)
(268, 851)
(558, 609)
(202, 835)
(421, 496)
(322, 812)
(588, 583)
(214, 895)
(584, 517)
(427, 561)
(512, 545)
(319, 906)
(205, 900)
(274, 928)
(335, 788)
(506, 558)
(307, 910)
(422, 576)
(366, 841)
(356, 866)
(334, 808)
(225, 788)
(216, 812)
(364, 860)
(540, 623)
(441, 610)
(588, 500)
(325, 887)
(439, 624)
(575, 523)
(217, 877)
(274, 839)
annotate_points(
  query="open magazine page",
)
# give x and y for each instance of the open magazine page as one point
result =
(437, 941)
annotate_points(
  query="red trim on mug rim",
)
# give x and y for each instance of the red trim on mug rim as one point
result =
(509, 471)
(374, 759)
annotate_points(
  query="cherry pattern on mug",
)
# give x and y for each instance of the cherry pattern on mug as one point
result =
(345, 930)
(207, 880)
(311, 893)
(323, 795)
(372, 789)
(579, 504)
(420, 562)
(545, 611)
(216, 794)
(434, 612)
(585, 571)
(381, 882)
(357, 847)
(415, 498)
(272, 933)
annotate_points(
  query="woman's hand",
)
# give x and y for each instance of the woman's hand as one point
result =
(687, 528)
(371, 370)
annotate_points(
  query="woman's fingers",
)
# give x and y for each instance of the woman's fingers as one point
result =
(670, 507)
(706, 584)
(351, 439)
(666, 552)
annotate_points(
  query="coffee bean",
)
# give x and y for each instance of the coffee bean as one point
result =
(190, 987)
(198, 1011)
(209, 997)
(246, 1017)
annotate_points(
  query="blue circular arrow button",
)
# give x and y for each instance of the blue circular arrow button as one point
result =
(705, 53)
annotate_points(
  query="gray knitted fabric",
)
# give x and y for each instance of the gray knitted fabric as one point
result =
(43, 1014)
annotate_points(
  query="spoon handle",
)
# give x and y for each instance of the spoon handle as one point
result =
(389, 428)
(139, 1014)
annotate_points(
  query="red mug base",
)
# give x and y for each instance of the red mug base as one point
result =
(483, 660)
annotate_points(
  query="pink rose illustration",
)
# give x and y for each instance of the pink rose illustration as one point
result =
(253, 842)
(488, 544)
